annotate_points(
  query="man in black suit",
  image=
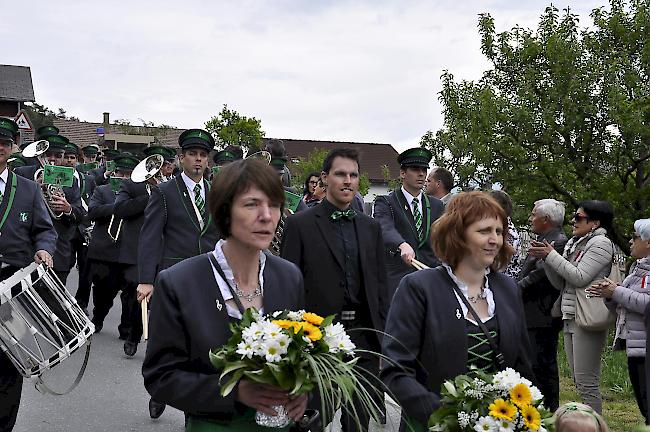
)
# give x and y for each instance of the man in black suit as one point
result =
(26, 234)
(340, 255)
(67, 211)
(406, 215)
(539, 295)
(177, 225)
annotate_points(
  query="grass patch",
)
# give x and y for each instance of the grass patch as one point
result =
(619, 405)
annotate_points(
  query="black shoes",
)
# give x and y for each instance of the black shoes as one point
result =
(130, 348)
(155, 409)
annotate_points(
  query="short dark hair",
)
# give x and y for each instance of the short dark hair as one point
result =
(347, 153)
(504, 201)
(305, 191)
(443, 176)
(601, 211)
(236, 178)
(448, 231)
(275, 147)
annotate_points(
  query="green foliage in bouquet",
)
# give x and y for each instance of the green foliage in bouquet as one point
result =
(484, 402)
(296, 351)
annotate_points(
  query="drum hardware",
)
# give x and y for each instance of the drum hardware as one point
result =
(36, 150)
(41, 324)
(145, 319)
(148, 170)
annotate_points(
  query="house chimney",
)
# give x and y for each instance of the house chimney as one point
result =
(107, 122)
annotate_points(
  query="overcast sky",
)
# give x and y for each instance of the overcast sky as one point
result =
(366, 71)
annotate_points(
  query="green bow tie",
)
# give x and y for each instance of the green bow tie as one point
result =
(348, 214)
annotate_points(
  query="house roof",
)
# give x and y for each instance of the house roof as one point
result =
(372, 156)
(16, 84)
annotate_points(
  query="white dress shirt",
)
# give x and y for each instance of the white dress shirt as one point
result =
(227, 271)
(410, 198)
(190, 184)
(465, 290)
(3, 180)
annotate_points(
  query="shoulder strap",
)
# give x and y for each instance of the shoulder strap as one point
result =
(235, 297)
(498, 356)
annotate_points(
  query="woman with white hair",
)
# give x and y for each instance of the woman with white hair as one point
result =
(629, 300)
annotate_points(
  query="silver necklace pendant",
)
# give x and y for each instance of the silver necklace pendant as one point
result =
(248, 297)
(480, 296)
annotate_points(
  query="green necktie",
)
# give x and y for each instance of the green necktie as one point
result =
(1, 196)
(417, 216)
(198, 200)
(347, 214)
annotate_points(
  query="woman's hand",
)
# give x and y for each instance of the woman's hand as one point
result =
(263, 397)
(296, 407)
(540, 250)
(604, 288)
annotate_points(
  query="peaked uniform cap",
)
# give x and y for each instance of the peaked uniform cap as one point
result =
(196, 138)
(111, 153)
(415, 157)
(8, 129)
(71, 148)
(224, 157)
(57, 142)
(17, 160)
(90, 149)
(167, 153)
(46, 131)
(126, 161)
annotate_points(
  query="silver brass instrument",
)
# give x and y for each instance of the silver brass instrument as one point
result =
(110, 229)
(274, 247)
(36, 150)
(148, 169)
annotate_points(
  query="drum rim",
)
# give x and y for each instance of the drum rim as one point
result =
(8, 284)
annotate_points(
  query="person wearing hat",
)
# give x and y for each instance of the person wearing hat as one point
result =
(279, 163)
(169, 155)
(279, 156)
(177, 225)
(89, 153)
(26, 235)
(68, 206)
(406, 215)
(107, 269)
(100, 174)
(229, 154)
(16, 160)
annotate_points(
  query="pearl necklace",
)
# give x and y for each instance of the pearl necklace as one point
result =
(248, 297)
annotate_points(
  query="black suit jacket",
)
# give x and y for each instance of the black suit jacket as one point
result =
(308, 242)
(429, 337)
(98, 175)
(538, 293)
(171, 226)
(130, 203)
(28, 226)
(398, 226)
(186, 323)
(100, 210)
(66, 225)
(86, 189)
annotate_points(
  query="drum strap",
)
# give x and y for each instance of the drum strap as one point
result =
(10, 202)
(45, 389)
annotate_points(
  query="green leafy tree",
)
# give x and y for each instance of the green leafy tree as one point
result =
(147, 128)
(563, 112)
(40, 115)
(231, 128)
(314, 163)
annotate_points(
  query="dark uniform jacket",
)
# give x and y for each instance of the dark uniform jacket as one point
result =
(100, 210)
(538, 293)
(86, 188)
(309, 242)
(28, 226)
(98, 175)
(171, 226)
(188, 318)
(429, 337)
(398, 226)
(66, 225)
(130, 203)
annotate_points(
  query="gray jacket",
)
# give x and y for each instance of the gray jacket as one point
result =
(629, 301)
(585, 260)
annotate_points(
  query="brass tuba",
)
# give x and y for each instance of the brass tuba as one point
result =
(36, 150)
(148, 170)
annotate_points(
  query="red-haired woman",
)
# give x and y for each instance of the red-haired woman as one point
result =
(434, 336)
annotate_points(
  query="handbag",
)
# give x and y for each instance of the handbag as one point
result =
(591, 313)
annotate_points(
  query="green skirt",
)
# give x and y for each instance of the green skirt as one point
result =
(240, 423)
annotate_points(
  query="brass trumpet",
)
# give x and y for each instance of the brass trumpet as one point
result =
(36, 150)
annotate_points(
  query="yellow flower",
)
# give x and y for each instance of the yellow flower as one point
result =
(531, 416)
(311, 331)
(501, 409)
(285, 324)
(312, 318)
(520, 395)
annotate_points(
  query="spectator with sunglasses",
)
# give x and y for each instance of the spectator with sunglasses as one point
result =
(586, 260)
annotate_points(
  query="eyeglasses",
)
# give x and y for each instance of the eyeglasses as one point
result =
(578, 217)
(313, 182)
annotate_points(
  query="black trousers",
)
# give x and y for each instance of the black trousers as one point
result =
(11, 382)
(80, 251)
(543, 356)
(108, 279)
(636, 368)
(132, 305)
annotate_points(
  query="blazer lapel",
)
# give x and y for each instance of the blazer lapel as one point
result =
(327, 231)
(6, 195)
(187, 201)
(363, 235)
(212, 294)
(406, 212)
(206, 225)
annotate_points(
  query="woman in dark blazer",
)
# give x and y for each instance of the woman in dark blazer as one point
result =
(433, 335)
(193, 305)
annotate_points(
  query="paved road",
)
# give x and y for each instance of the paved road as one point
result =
(110, 397)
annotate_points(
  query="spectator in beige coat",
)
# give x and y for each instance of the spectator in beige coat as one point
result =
(587, 258)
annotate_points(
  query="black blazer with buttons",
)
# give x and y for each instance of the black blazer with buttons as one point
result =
(171, 226)
(428, 342)
(28, 226)
(188, 318)
(308, 242)
(131, 200)
(398, 226)
(100, 210)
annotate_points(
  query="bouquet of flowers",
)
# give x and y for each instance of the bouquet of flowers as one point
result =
(296, 351)
(482, 402)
